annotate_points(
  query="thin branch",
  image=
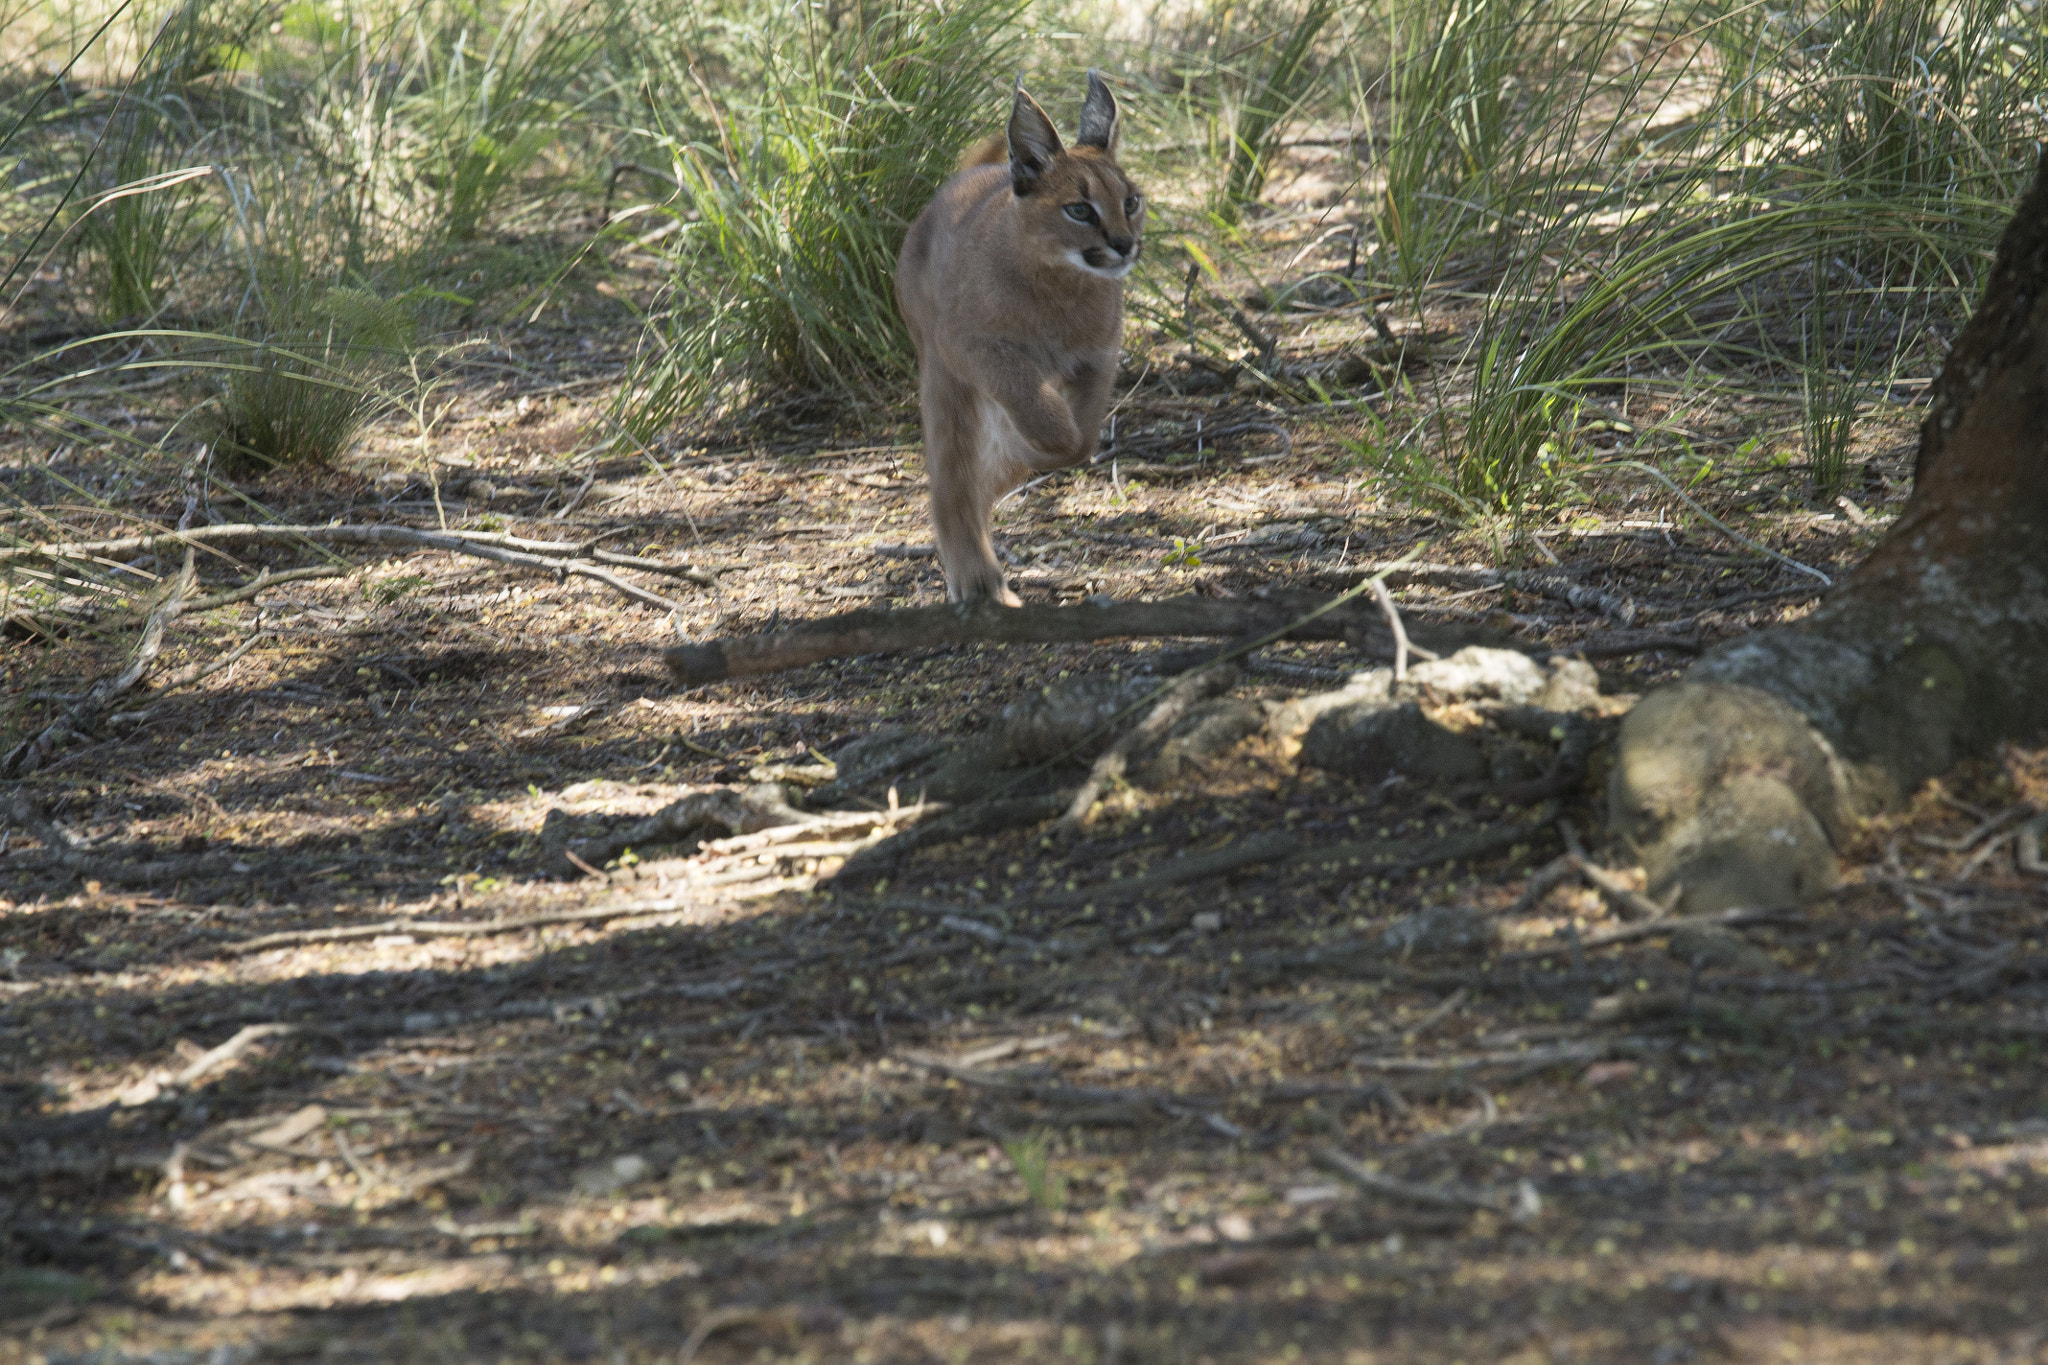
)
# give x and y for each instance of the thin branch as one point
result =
(1185, 693)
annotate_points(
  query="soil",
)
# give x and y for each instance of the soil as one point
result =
(994, 1107)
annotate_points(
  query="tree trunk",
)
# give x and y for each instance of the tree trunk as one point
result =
(1740, 782)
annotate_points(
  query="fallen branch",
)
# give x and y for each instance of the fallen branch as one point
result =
(1385, 601)
(1657, 928)
(265, 581)
(438, 928)
(1185, 693)
(187, 676)
(1556, 586)
(731, 810)
(983, 817)
(64, 851)
(1279, 615)
(154, 1087)
(1525, 1205)
(561, 558)
(84, 713)
(1247, 852)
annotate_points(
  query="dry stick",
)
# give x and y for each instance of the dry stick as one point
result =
(1401, 645)
(1630, 933)
(185, 677)
(976, 818)
(1557, 586)
(1247, 852)
(30, 753)
(1619, 893)
(265, 581)
(1185, 692)
(211, 1061)
(1339, 1163)
(1723, 527)
(1625, 899)
(561, 558)
(874, 631)
(433, 928)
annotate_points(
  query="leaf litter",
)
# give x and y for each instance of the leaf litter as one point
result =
(1343, 1047)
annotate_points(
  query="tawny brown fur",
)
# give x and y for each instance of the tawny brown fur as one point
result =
(1011, 283)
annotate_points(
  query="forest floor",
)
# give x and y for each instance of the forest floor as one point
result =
(997, 1107)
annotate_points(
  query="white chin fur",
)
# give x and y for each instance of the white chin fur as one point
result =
(1080, 262)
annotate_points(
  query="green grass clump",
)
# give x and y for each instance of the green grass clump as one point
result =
(1279, 85)
(1629, 224)
(304, 397)
(1031, 1157)
(795, 191)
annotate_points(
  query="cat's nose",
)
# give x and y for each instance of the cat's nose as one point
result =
(1121, 245)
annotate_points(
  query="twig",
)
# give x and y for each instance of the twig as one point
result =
(1436, 1016)
(1185, 692)
(365, 1180)
(155, 1087)
(212, 1060)
(265, 581)
(83, 714)
(439, 928)
(561, 558)
(185, 677)
(1723, 527)
(1402, 648)
(1617, 892)
(1250, 851)
(1629, 933)
(1524, 1206)
(1985, 828)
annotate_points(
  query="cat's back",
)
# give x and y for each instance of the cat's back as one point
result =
(947, 249)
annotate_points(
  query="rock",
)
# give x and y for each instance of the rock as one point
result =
(1479, 674)
(1441, 929)
(1573, 685)
(1289, 721)
(1730, 793)
(609, 1177)
(1371, 741)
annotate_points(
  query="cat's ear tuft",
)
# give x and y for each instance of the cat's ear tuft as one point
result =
(1100, 121)
(1033, 143)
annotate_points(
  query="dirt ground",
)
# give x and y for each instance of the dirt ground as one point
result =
(722, 1105)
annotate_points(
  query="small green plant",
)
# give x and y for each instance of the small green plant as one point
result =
(1185, 554)
(1830, 383)
(397, 588)
(1031, 1157)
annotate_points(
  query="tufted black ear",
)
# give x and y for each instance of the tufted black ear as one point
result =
(1033, 143)
(1100, 122)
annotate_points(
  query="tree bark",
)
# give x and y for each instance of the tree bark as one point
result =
(1741, 782)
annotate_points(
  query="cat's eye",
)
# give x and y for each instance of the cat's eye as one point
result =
(1131, 207)
(1081, 212)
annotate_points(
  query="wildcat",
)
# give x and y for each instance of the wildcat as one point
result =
(1011, 282)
